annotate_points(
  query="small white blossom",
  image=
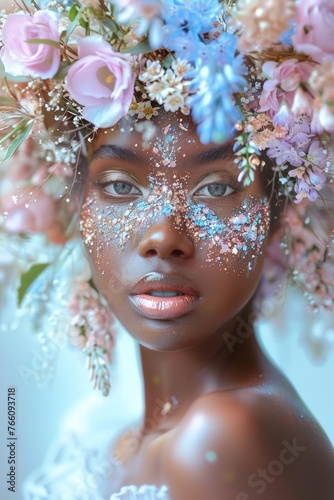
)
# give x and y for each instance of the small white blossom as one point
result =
(174, 101)
(169, 79)
(146, 110)
(157, 91)
(181, 67)
(153, 71)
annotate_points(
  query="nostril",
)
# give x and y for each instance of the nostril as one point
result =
(151, 253)
(177, 253)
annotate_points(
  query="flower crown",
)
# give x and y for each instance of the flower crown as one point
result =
(261, 73)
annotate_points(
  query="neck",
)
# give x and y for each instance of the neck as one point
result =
(174, 380)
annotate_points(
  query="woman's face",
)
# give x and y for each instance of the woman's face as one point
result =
(175, 242)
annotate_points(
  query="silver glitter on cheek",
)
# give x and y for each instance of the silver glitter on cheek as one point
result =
(241, 234)
(113, 225)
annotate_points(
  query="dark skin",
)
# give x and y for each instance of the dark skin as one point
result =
(239, 430)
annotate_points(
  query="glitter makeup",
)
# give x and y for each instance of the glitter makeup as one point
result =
(241, 234)
(165, 148)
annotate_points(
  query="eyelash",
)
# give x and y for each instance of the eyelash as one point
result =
(227, 186)
(110, 183)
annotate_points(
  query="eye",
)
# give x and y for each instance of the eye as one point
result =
(115, 186)
(121, 188)
(215, 189)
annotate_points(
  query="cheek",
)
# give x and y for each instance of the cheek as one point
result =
(103, 227)
(231, 243)
(100, 240)
(231, 287)
(236, 240)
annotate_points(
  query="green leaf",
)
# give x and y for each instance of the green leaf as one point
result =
(84, 23)
(8, 102)
(73, 24)
(16, 130)
(63, 70)
(72, 14)
(142, 47)
(44, 41)
(168, 60)
(17, 142)
(110, 24)
(28, 278)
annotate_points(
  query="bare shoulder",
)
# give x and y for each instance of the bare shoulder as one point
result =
(241, 444)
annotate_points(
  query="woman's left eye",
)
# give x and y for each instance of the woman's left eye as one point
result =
(215, 189)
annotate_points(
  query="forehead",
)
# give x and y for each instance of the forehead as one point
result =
(142, 134)
(159, 143)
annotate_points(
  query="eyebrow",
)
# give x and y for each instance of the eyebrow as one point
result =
(221, 152)
(117, 152)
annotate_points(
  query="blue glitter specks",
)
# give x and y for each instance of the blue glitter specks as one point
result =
(241, 234)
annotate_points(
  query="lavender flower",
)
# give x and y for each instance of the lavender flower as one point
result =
(300, 149)
(310, 177)
(293, 148)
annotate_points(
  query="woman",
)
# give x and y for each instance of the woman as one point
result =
(176, 234)
(220, 421)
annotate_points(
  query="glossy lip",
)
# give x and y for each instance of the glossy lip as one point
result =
(163, 308)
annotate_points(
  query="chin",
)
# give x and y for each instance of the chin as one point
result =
(167, 336)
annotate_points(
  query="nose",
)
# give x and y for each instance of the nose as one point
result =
(163, 240)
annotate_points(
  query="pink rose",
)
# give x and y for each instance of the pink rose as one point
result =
(283, 81)
(38, 60)
(315, 29)
(102, 81)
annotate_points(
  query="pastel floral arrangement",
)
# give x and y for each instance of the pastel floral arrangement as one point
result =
(266, 70)
(261, 73)
(92, 330)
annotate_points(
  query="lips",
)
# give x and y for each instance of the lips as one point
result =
(163, 297)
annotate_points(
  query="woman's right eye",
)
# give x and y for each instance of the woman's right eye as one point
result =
(119, 188)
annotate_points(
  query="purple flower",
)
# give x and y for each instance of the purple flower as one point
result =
(293, 148)
(285, 152)
(310, 177)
